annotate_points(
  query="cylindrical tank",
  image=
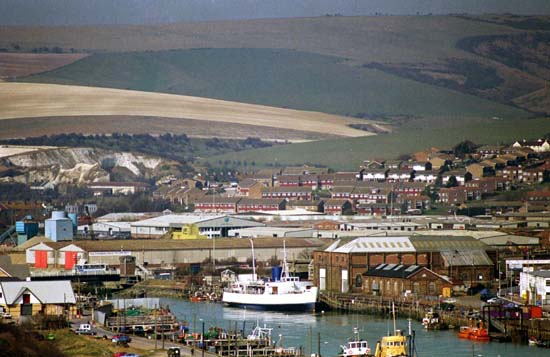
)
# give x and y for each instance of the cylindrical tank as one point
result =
(58, 214)
(276, 273)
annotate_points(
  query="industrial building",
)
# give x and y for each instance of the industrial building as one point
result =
(165, 253)
(463, 259)
(209, 225)
(59, 227)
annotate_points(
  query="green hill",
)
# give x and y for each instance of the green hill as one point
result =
(348, 154)
(275, 77)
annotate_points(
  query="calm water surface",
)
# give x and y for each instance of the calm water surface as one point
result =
(294, 330)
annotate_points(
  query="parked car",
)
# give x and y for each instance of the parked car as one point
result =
(121, 339)
(494, 300)
(125, 354)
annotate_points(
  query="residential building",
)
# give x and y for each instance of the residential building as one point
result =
(217, 204)
(290, 193)
(261, 204)
(338, 207)
(250, 188)
(539, 145)
(24, 299)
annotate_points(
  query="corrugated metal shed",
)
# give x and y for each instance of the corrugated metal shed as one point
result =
(166, 220)
(510, 239)
(465, 258)
(439, 243)
(189, 244)
(377, 244)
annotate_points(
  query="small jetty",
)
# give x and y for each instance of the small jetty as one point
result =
(222, 343)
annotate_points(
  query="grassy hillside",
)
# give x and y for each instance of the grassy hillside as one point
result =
(281, 78)
(362, 39)
(349, 153)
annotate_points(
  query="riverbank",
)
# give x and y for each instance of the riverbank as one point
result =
(463, 313)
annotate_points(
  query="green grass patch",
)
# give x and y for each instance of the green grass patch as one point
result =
(348, 154)
(275, 77)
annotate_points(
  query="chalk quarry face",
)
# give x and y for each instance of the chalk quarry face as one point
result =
(55, 165)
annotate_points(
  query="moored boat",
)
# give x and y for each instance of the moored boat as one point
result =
(356, 347)
(396, 345)
(287, 293)
(431, 321)
(464, 332)
(392, 346)
(479, 333)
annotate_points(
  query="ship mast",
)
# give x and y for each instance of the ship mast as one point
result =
(285, 274)
(253, 261)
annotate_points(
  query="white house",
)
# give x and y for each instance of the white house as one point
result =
(535, 286)
(27, 298)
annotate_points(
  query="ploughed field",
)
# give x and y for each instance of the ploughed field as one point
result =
(25, 100)
(14, 65)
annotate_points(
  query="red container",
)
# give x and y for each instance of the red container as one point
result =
(536, 312)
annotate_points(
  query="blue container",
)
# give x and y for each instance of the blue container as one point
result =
(276, 273)
(30, 229)
(195, 268)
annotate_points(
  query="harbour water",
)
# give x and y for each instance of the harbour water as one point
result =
(302, 329)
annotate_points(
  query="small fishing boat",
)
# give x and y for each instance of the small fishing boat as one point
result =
(356, 347)
(431, 320)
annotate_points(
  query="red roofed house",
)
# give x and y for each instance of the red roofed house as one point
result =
(337, 207)
(251, 204)
(217, 204)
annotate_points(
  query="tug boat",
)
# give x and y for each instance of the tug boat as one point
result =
(356, 347)
(392, 346)
(396, 345)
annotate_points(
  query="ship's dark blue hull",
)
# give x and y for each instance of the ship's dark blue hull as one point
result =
(293, 307)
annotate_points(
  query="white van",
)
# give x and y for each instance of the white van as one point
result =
(85, 329)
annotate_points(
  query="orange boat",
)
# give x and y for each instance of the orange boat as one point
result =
(479, 333)
(464, 331)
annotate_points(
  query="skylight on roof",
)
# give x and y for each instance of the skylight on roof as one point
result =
(411, 268)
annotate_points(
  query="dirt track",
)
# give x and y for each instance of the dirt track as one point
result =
(24, 100)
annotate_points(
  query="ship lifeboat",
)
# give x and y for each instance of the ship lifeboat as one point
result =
(464, 332)
(479, 334)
